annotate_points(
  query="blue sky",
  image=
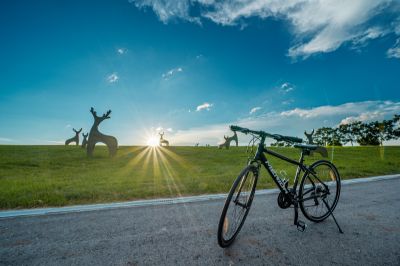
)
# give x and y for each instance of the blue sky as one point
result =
(194, 67)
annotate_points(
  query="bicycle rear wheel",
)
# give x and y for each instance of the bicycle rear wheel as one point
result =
(318, 190)
(237, 205)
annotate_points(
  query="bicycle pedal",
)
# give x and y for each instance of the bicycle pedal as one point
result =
(301, 226)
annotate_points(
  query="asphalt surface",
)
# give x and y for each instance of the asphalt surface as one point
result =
(185, 234)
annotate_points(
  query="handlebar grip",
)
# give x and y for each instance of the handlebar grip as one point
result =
(293, 139)
(287, 138)
(237, 128)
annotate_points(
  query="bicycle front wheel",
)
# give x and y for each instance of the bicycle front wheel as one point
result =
(319, 190)
(237, 205)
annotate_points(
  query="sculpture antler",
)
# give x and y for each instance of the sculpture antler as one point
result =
(309, 136)
(107, 115)
(93, 112)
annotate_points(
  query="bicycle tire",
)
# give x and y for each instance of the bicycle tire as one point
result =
(224, 239)
(314, 190)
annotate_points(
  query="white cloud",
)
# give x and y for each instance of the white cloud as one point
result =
(318, 26)
(171, 72)
(298, 119)
(113, 78)
(255, 109)
(56, 141)
(169, 10)
(162, 129)
(367, 116)
(354, 110)
(394, 52)
(288, 102)
(6, 139)
(204, 106)
(370, 34)
(287, 87)
(122, 51)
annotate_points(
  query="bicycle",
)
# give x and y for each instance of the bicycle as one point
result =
(317, 196)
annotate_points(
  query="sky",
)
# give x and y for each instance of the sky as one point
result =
(192, 68)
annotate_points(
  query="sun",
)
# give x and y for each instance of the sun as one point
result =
(152, 142)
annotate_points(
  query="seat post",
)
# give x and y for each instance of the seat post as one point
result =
(298, 170)
(301, 160)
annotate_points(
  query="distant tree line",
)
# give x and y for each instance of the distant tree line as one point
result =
(363, 133)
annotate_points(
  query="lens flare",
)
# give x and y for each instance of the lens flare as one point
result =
(152, 142)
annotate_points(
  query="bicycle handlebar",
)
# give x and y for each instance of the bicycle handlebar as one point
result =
(265, 134)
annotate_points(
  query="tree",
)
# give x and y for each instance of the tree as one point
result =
(328, 136)
(396, 127)
(385, 130)
(355, 129)
(372, 133)
(321, 136)
(335, 137)
(278, 144)
(349, 132)
(368, 134)
(345, 133)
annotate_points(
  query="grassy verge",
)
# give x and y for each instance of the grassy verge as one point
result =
(37, 176)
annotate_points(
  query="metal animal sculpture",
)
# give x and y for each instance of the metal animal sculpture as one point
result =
(319, 149)
(309, 136)
(96, 136)
(84, 141)
(163, 142)
(228, 140)
(74, 139)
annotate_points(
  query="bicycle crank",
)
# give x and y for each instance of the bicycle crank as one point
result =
(284, 200)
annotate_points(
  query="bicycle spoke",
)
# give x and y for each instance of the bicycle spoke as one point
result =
(322, 184)
(238, 205)
(308, 191)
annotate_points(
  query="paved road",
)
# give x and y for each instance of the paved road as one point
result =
(184, 234)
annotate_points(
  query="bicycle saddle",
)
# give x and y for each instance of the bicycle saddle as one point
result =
(312, 148)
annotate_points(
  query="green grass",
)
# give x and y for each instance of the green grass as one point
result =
(38, 176)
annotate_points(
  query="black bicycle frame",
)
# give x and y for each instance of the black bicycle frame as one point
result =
(291, 193)
(283, 186)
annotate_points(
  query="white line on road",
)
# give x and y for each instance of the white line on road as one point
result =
(154, 202)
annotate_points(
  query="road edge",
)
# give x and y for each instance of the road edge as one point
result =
(158, 202)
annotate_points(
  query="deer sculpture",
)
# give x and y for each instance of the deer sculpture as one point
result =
(228, 140)
(319, 149)
(309, 136)
(163, 142)
(74, 139)
(96, 136)
(84, 141)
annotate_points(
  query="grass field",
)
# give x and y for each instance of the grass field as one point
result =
(37, 176)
